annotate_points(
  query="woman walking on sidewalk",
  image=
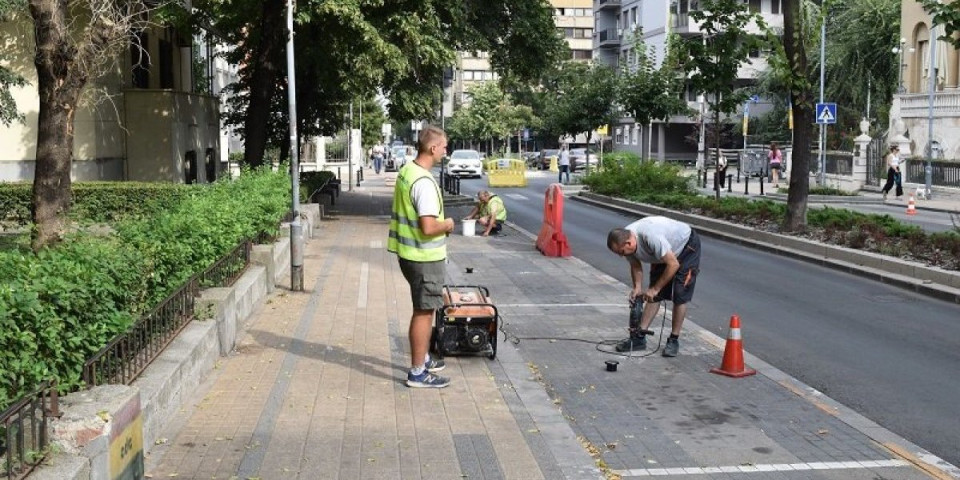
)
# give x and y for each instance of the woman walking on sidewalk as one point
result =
(776, 163)
(893, 172)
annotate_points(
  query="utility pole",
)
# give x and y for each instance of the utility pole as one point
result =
(296, 230)
(932, 87)
(821, 178)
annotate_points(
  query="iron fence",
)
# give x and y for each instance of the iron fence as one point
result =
(945, 173)
(228, 269)
(23, 443)
(126, 356)
(876, 168)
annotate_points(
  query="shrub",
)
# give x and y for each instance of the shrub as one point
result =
(625, 175)
(61, 305)
(96, 201)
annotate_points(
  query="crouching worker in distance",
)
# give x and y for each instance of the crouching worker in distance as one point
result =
(489, 212)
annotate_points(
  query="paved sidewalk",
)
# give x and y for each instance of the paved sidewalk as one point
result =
(315, 390)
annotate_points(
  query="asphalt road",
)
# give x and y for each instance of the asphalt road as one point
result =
(890, 354)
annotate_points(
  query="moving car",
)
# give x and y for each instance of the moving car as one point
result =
(465, 163)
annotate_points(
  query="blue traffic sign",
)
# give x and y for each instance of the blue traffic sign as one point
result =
(826, 113)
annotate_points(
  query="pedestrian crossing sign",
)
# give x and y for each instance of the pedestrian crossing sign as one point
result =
(826, 113)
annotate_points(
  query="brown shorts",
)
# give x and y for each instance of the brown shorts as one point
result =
(426, 281)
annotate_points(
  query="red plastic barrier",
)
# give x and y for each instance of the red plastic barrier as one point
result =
(551, 241)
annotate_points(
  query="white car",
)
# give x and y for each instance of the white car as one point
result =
(465, 163)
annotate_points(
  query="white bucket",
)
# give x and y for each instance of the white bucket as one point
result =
(469, 228)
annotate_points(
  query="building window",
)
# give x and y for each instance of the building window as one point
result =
(166, 64)
(140, 60)
(636, 135)
(775, 7)
(754, 5)
(582, 54)
(619, 137)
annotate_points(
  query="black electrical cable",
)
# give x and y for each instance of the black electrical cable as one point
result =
(602, 343)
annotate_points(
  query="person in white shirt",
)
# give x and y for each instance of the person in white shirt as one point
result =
(564, 164)
(672, 249)
(893, 172)
(377, 154)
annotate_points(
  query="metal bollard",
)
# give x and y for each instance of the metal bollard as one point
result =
(761, 185)
(746, 185)
(704, 178)
(729, 182)
(456, 186)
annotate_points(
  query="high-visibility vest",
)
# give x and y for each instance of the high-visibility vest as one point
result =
(498, 202)
(406, 239)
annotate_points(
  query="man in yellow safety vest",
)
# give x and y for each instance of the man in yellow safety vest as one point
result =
(489, 212)
(418, 231)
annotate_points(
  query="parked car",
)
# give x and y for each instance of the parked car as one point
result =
(579, 158)
(543, 162)
(397, 156)
(465, 163)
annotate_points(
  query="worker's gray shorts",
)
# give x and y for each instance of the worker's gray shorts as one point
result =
(426, 281)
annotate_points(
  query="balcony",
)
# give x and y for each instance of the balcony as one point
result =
(946, 104)
(601, 5)
(609, 38)
(683, 24)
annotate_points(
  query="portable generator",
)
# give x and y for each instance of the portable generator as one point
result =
(466, 324)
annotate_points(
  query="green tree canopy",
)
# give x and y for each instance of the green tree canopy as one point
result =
(582, 97)
(648, 92)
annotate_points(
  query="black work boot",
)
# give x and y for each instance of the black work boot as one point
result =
(633, 343)
(672, 347)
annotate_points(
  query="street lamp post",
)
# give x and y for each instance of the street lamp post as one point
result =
(932, 86)
(701, 146)
(898, 50)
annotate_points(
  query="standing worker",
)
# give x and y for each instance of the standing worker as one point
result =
(564, 164)
(418, 232)
(672, 249)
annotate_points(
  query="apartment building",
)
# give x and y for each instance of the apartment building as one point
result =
(574, 20)
(147, 118)
(620, 24)
(910, 117)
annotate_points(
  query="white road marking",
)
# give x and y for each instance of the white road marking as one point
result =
(518, 196)
(364, 274)
(541, 305)
(769, 467)
(376, 244)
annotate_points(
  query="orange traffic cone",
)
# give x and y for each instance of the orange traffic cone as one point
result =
(911, 206)
(733, 353)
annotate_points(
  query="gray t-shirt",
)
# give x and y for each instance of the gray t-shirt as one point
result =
(656, 236)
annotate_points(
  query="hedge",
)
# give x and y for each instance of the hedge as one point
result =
(96, 201)
(60, 306)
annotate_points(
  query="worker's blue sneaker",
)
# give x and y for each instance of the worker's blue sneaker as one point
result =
(426, 380)
(632, 343)
(434, 365)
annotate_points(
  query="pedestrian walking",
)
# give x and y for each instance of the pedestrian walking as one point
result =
(672, 249)
(377, 153)
(776, 163)
(564, 164)
(893, 172)
(418, 231)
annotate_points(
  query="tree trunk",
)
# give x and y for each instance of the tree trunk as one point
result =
(60, 79)
(803, 112)
(265, 69)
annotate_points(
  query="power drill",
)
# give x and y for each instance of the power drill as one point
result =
(636, 313)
